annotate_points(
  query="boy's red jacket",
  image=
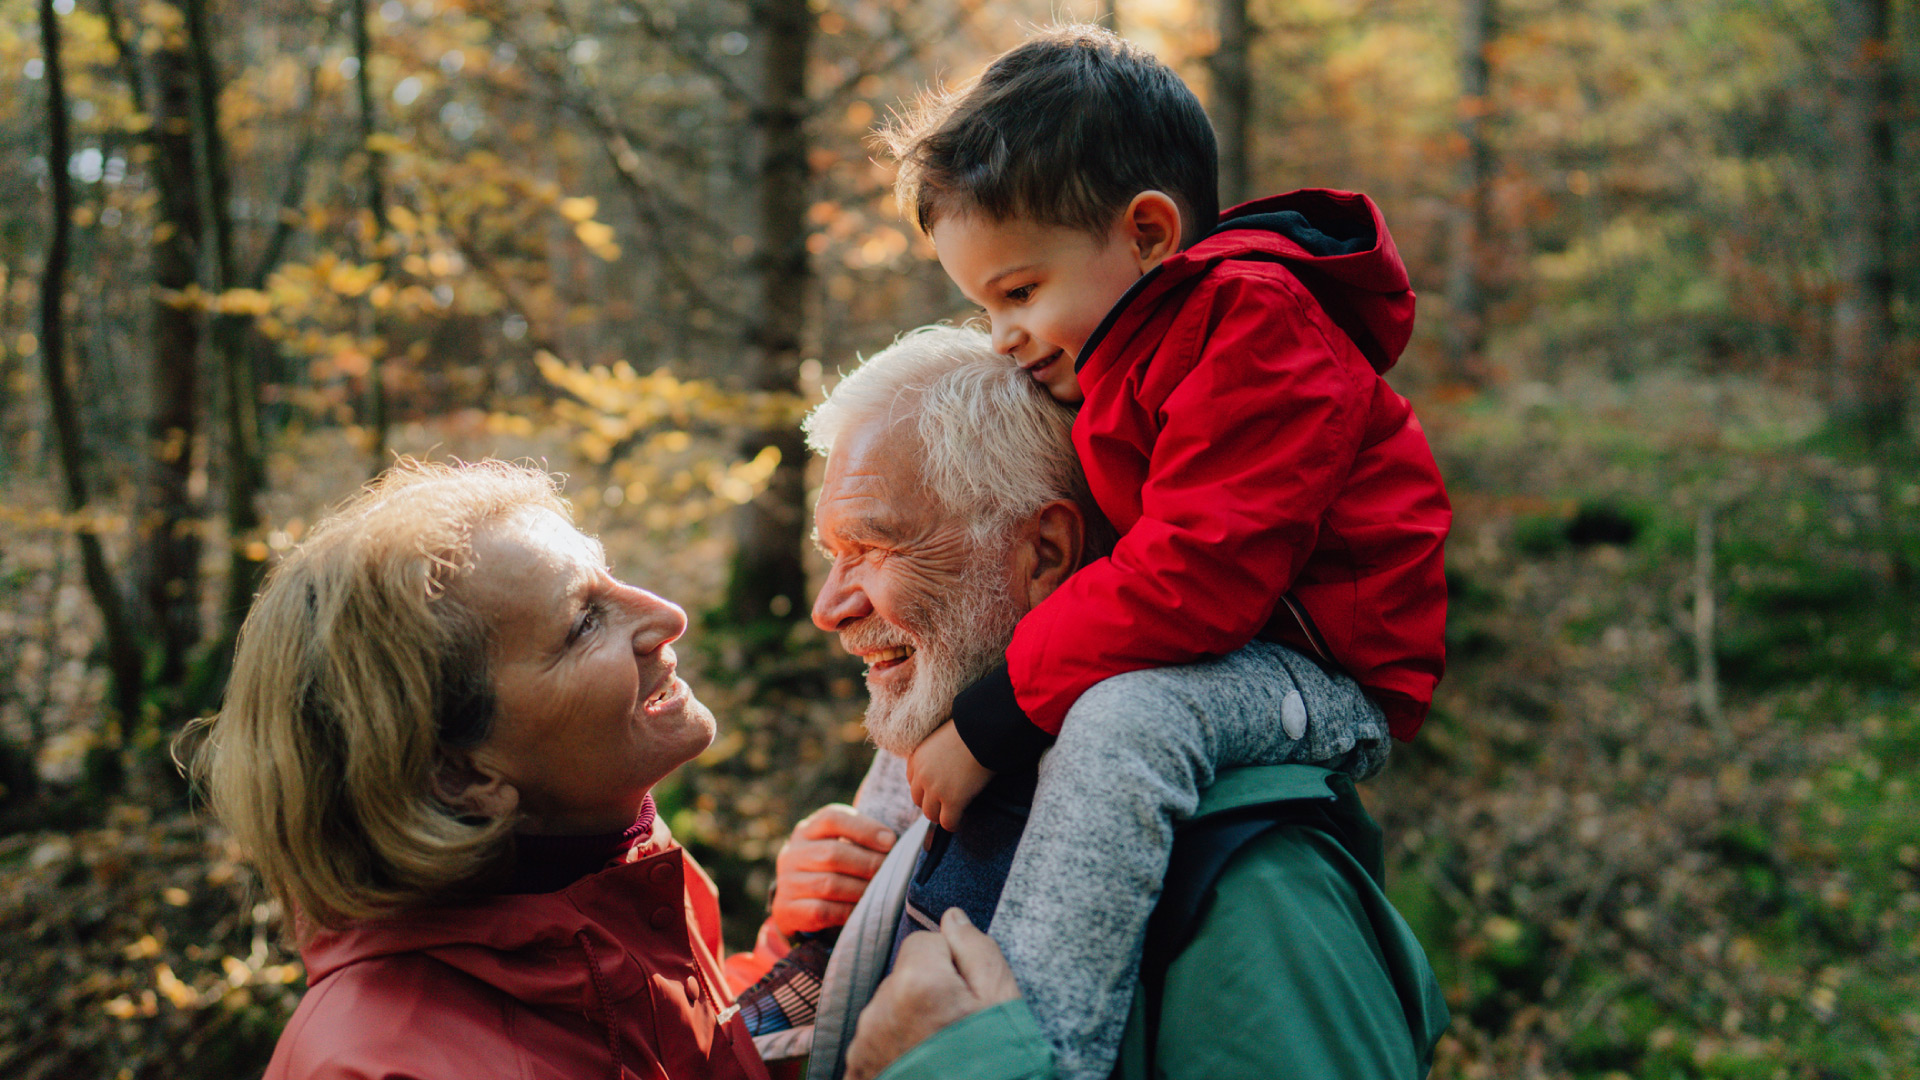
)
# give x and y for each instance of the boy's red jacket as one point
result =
(1239, 436)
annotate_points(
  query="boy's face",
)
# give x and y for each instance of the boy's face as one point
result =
(1044, 287)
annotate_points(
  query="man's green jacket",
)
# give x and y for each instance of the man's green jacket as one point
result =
(1299, 968)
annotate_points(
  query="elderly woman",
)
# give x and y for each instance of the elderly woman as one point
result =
(443, 725)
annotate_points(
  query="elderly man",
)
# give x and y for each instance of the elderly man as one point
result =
(952, 504)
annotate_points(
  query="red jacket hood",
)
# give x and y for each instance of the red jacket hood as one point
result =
(530, 946)
(617, 975)
(525, 946)
(1336, 242)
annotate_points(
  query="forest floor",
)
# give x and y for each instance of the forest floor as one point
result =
(1611, 882)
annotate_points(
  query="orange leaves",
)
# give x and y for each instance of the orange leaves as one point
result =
(882, 245)
(351, 361)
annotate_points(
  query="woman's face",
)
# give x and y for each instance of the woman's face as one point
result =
(589, 712)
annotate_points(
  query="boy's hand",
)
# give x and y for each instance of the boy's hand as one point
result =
(944, 776)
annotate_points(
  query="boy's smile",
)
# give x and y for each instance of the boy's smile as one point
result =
(1044, 287)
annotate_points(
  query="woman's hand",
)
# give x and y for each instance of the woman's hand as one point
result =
(937, 979)
(824, 868)
(945, 777)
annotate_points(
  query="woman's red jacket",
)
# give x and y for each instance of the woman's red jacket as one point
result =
(617, 977)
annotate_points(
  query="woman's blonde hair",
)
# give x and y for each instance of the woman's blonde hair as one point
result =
(355, 672)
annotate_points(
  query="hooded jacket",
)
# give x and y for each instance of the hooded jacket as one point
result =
(616, 976)
(1264, 479)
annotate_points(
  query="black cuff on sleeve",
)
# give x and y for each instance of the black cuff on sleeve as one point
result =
(997, 731)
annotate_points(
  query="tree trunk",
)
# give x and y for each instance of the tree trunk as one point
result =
(768, 585)
(1466, 333)
(166, 536)
(377, 210)
(1233, 103)
(243, 467)
(124, 659)
(1869, 385)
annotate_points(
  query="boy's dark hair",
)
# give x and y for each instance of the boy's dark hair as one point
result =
(1064, 129)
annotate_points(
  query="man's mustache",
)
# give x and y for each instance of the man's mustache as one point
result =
(872, 634)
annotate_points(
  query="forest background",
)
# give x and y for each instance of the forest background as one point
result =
(1664, 820)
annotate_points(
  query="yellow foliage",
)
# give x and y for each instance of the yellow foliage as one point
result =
(579, 210)
(162, 16)
(403, 220)
(598, 237)
(123, 1007)
(510, 424)
(243, 302)
(348, 279)
(383, 143)
(238, 973)
(643, 429)
(182, 996)
(189, 297)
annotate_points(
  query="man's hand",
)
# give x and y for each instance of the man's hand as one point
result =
(937, 979)
(824, 868)
(944, 776)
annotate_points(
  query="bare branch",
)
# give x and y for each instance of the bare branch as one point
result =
(657, 212)
(293, 191)
(906, 46)
(124, 653)
(690, 53)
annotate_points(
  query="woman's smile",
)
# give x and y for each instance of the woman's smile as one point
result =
(591, 710)
(669, 697)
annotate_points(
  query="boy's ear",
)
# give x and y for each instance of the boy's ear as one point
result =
(1152, 224)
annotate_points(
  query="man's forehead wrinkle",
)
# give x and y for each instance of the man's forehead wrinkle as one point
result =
(861, 514)
(875, 525)
(870, 475)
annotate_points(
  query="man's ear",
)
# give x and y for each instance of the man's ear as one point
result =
(469, 783)
(1152, 226)
(1055, 540)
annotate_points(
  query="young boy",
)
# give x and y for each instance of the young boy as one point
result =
(1275, 500)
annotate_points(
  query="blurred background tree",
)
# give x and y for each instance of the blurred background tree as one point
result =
(1665, 255)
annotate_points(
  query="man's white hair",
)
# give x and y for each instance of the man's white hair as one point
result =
(995, 447)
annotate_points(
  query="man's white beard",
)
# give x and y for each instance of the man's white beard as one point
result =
(956, 638)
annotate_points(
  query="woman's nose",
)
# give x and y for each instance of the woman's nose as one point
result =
(658, 620)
